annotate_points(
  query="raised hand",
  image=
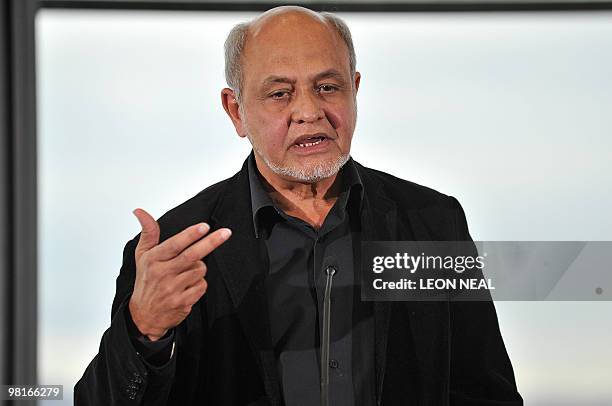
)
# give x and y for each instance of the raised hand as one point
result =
(170, 275)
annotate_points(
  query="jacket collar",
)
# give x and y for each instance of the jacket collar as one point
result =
(243, 266)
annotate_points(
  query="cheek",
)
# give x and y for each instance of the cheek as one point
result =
(341, 119)
(273, 130)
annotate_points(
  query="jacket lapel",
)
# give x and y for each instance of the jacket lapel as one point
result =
(243, 265)
(429, 320)
(379, 223)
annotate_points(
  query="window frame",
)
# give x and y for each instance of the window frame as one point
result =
(18, 140)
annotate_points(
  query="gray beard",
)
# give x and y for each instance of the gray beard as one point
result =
(311, 174)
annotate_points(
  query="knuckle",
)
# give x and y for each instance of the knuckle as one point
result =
(196, 277)
(197, 292)
(186, 257)
(188, 278)
(175, 302)
(190, 299)
(182, 303)
(200, 272)
(194, 233)
(172, 267)
(196, 295)
(166, 290)
(173, 247)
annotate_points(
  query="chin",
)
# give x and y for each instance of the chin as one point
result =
(313, 172)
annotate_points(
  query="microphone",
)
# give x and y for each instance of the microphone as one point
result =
(330, 268)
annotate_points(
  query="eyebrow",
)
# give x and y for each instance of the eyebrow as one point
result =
(330, 73)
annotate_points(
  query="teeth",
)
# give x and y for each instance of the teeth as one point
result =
(309, 144)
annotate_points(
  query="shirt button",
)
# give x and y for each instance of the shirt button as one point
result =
(333, 363)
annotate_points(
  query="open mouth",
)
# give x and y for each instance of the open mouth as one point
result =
(310, 142)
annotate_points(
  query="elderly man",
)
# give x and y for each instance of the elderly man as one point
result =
(266, 310)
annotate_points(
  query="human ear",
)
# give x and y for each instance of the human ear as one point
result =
(232, 108)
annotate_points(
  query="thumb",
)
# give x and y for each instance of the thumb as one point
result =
(149, 236)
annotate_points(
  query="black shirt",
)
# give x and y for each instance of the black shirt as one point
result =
(298, 255)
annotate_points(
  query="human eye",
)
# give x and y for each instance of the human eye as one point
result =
(279, 94)
(327, 88)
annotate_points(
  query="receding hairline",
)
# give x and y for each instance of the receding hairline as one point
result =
(254, 26)
(279, 11)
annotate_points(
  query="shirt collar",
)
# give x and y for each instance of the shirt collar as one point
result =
(351, 195)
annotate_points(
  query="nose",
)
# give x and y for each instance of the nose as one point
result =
(306, 108)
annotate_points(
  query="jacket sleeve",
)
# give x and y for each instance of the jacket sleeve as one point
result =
(118, 374)
(481, 372)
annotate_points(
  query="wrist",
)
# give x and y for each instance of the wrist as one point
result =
(145, 329)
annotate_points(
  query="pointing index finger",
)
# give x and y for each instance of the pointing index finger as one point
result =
(176, 244)
(206, 245)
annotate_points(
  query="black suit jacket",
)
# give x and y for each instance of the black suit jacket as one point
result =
(426, 353)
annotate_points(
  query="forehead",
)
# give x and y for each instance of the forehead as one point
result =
(293, 44)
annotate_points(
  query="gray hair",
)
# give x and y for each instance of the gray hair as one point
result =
(234, 46)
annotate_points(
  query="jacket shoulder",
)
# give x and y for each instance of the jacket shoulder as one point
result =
(440, 214)
(409, 195)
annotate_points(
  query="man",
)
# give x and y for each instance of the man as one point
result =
(266, 310)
